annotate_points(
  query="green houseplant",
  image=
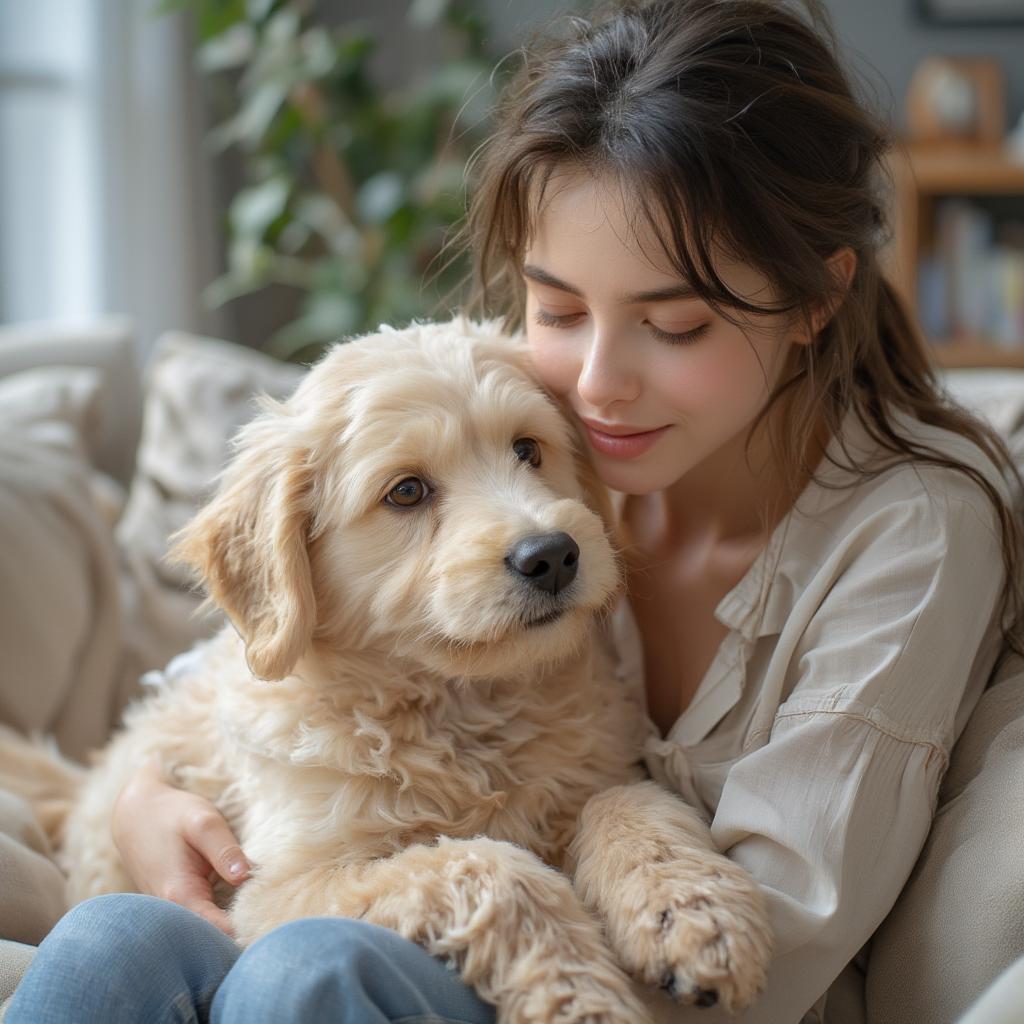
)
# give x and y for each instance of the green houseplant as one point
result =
(351, 187)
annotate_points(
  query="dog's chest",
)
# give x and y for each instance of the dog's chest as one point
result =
(496, 762)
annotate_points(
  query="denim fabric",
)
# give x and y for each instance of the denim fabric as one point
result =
(131, 959)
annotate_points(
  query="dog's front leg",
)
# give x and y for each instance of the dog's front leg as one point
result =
(677, 913)
(512, 926)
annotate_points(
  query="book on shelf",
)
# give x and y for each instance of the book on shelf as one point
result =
(971, 279)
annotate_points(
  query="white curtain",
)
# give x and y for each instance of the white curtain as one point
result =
(106, 193)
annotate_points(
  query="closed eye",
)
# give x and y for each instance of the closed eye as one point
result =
(681, 338)
(546, 319)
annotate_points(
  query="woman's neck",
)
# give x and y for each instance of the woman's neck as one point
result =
(732, 498)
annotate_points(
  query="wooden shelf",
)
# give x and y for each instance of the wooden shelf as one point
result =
(966, 171)
(959, 354)
(922, 175)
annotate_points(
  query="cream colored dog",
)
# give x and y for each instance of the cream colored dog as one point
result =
(418, 722)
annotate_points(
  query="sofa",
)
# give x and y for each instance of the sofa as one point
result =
(100, 459)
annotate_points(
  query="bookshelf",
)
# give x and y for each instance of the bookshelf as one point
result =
(925, 179)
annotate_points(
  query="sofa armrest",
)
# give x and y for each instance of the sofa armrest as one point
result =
(107, 344)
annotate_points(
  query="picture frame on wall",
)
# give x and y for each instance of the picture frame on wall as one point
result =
(970, 13)
(957, 101)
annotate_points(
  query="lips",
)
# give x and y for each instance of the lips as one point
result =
(617, 429)
(622, 445)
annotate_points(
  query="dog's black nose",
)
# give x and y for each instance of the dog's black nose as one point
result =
(548, 560)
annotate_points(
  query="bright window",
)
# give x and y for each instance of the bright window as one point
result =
(49, 174)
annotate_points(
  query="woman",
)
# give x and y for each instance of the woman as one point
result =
(679, 208)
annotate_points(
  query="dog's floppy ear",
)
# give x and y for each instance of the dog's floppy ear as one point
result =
(249, 544)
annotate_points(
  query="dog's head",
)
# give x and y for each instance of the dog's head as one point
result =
(419, 494)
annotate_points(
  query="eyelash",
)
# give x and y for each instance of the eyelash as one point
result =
(545, 319)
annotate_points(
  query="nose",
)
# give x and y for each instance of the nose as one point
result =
(548, 560)
(606, 375)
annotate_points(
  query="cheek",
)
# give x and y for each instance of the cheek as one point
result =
(717, 370)
(554, 361)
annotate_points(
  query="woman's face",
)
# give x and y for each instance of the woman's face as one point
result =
(614, 333)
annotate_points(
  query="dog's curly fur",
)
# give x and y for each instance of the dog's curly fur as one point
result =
(401, 728)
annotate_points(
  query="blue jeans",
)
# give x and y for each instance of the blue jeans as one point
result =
(141, 960)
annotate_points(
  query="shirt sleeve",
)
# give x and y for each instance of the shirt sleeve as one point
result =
(831, 813)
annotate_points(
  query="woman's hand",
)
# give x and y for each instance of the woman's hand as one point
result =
(174, 843)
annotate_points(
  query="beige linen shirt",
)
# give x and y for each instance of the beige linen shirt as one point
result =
(859, 642)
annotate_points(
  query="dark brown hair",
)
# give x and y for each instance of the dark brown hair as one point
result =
(733, 122)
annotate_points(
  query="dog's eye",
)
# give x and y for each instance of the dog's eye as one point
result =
(408, 492)
(527, 449)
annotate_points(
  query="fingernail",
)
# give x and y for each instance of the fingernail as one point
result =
(237, 868)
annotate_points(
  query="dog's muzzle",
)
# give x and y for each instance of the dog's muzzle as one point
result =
(549, 563)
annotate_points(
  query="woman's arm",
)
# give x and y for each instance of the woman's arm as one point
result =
(174, 843)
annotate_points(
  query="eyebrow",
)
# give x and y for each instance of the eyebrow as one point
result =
(666, 294)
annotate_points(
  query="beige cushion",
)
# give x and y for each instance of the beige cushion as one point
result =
(960, 919)
(31, 883)
(1003, 1000)
(62, 394)
(107, 346)
(14, 960)
(998, 397)
(60, 633)
(66, 404)
(997, 394)
(198, 391)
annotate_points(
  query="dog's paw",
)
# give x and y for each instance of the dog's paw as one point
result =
(701, 936)
(582, 1003)
(568, 990)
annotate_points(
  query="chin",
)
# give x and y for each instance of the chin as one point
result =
(635, 477)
